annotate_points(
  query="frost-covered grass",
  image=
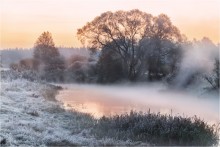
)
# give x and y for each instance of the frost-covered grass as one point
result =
(157, 129)
(29, 119)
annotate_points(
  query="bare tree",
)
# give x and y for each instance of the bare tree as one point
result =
(124, 32)
(123, 29)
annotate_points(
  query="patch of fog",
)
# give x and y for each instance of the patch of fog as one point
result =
(102, 100)
(198, 57)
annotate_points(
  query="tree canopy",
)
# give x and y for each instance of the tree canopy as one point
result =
(44, 47)
(46, 52)
(136, 37)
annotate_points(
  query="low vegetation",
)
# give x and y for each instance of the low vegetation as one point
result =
(157, 129)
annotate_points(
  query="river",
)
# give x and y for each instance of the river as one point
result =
(100, 100)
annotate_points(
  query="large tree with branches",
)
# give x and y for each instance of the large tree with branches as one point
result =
(131, 35)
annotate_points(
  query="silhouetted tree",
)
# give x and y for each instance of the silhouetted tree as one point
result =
(124, 33)
(123, 30)
(109, 66)
(164, 48)
(213, 80)
(44, 48)
(49, 56)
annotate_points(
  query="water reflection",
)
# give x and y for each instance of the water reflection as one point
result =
(110, 100)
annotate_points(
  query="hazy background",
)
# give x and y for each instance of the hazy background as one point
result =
(22, 21)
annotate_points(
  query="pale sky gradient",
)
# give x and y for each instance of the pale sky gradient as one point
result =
(22, 21)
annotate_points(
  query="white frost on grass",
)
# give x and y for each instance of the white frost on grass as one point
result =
(28, 119)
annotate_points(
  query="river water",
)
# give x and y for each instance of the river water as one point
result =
(110, 100)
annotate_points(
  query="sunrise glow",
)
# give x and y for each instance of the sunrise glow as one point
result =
(22, 21)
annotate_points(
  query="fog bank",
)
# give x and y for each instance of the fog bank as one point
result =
(102, 100)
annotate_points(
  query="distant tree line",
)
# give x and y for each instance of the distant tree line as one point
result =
(124, 45)
(48, 64)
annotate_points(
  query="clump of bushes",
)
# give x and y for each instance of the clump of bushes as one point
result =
(157, 129)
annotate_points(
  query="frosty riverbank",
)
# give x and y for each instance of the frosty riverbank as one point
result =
(29, 118)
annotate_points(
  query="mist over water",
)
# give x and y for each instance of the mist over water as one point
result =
(100, 100)
(197, 58)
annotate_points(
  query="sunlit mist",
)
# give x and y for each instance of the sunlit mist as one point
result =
(111, 100)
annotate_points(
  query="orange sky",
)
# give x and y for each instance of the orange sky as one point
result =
(22, 21)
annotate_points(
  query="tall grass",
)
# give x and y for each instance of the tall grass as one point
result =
(157, 129)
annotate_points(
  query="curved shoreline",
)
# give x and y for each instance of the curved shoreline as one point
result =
(29, 119)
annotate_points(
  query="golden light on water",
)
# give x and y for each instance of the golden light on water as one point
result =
(99, 101)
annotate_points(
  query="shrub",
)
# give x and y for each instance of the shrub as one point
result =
(80, 68)
(156, 129)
